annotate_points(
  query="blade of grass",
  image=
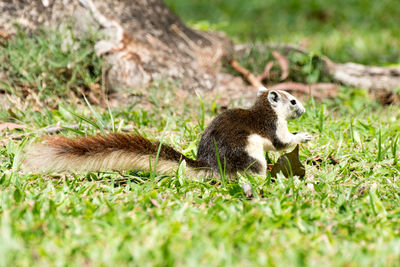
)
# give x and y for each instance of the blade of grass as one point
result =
(102, 124)
(154, 170)
(221, 170)
(94, 124)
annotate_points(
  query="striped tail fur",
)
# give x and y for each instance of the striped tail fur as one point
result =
(108, 152)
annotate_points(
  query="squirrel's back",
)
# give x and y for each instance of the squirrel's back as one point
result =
(229, 132)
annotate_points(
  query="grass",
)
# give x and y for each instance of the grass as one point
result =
(344, 214)
(350, 218)
(52, 64)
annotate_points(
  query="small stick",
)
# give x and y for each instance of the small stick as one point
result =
(59, 128)
(245, 72)
(267, 71)
(283, 63)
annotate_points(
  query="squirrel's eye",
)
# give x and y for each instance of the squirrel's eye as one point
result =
(293, 102)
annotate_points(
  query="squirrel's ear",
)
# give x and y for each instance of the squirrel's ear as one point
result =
(273, 97)
(261, 90)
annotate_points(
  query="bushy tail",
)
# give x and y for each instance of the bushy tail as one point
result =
(108, 152)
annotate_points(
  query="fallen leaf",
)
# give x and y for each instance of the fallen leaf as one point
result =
(289, 164)
(283, 63)
(11, 125)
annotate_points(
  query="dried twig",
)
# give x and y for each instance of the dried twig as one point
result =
(318, 90)
(374, 78)
(283, 63)
(267, 71)
(245, 72)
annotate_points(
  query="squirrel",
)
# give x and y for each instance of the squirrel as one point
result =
(241, 136)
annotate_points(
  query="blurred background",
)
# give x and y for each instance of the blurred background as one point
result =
(362, 31)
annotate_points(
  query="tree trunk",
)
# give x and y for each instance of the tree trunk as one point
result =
(144, 41)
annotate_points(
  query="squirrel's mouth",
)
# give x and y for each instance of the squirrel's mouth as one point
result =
(297, 114)
(300, 112)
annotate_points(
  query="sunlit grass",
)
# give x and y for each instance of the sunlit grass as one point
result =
(343, 213)
(349, 216)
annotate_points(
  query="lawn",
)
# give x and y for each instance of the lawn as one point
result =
(346, 212)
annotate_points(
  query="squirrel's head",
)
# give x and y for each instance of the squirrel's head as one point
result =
(283, 103)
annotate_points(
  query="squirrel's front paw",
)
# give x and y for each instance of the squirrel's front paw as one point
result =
(303, 137)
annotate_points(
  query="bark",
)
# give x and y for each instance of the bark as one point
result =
(144, 42)
(371, 77)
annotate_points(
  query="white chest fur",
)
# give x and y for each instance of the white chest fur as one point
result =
(256, 147)
(282, 131)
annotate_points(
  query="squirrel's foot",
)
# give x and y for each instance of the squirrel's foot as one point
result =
(247, 191)
(303, 137)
